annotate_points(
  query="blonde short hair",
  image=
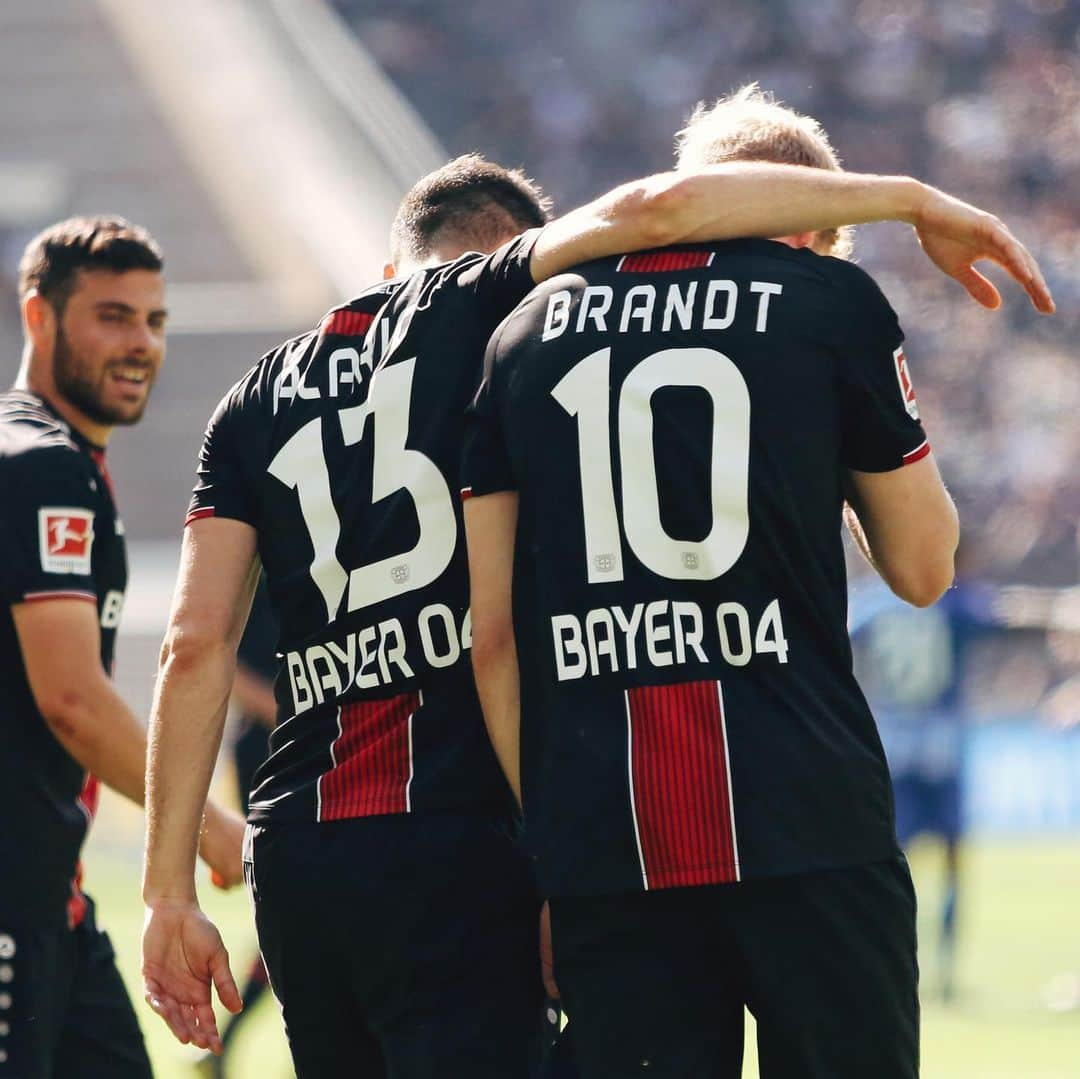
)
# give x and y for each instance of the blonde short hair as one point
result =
(751, 125)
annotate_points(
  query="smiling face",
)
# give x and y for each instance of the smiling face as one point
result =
(109, 344)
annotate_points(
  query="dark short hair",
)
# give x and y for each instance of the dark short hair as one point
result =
(470, 201)
(54, 257)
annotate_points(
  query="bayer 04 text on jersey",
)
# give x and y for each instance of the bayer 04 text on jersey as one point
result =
(664, 633)
(375, 656)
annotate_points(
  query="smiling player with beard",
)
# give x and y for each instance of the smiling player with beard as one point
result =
(93, 309)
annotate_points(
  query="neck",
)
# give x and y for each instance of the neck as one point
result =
(32, 378)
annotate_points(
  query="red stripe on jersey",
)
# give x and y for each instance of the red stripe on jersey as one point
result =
(466, 494)
(661, 261)
(198, 515)
(916, 454)
(347, 323)
(681, 785)
(372, 760)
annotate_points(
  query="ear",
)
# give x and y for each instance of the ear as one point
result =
(39, 318)
(388, 271)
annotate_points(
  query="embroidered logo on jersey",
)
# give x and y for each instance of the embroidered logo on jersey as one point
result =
(907, 390)
(66, 537)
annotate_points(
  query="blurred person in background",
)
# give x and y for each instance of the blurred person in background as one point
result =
(256, 712)
(378, 772)
(93, 312)
(911, 664)
(665, 672)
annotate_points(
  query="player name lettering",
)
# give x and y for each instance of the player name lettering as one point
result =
(695, 305)
(663, 633)
(375, 656)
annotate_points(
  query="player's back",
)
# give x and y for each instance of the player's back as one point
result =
(679, 425)
(350, 439)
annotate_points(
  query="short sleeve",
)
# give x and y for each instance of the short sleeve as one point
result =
(46, 541)
(503, 279)
(221, 487)
(879, 412)
(485, 464)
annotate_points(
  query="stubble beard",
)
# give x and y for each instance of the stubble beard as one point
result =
(76, 385)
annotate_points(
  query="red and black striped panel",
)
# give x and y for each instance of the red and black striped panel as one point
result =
(346, 322)
(372, 760)
(663, 261)
(681, 786)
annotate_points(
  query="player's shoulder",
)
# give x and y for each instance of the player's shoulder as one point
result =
(355, 317)
(31, 436)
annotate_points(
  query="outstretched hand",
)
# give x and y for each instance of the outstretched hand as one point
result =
(955, 236)
(182, 954)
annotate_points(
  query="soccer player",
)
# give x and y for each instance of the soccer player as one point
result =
(395, 913)
(655, 476)
(911, 664)
(93, 311)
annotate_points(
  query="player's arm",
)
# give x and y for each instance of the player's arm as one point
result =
(490, 527)
(92, 721)
(905, 524)
(761, 199)
(76, 697)
(182, 951)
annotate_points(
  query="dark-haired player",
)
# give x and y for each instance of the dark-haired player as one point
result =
(657, 468)
(397, 918)
(93, 311)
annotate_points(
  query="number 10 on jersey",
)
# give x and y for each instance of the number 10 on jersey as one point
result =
(584, 393)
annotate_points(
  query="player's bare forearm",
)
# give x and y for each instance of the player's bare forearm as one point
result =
(718, 203)
(759, 199)
(218, 569)
(185, 734)
(490, 527)
(746, 198)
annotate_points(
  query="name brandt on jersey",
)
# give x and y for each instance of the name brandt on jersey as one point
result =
(376, 656)
(713, 307)
(662, 634)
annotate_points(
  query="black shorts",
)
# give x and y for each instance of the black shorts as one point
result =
(64, 1011)
(655, 983)
(401, 946)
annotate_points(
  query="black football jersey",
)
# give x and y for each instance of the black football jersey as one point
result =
(678, 425)
(60, 538)
(342, 448)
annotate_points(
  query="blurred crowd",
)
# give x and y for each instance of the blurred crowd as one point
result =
(981, 97)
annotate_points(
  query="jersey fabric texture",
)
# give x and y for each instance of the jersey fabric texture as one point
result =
(61, 539)
(679, 426)
(342, 448)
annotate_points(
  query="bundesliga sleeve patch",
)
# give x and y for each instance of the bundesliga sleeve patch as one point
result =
(66, 537)
(907, 389)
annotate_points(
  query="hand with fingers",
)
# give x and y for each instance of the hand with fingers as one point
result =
(182, 954)
(956, 235)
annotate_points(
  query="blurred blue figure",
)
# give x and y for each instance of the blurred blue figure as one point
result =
(910, 663)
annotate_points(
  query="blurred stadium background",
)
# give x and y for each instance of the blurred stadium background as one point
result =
(266, 142)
